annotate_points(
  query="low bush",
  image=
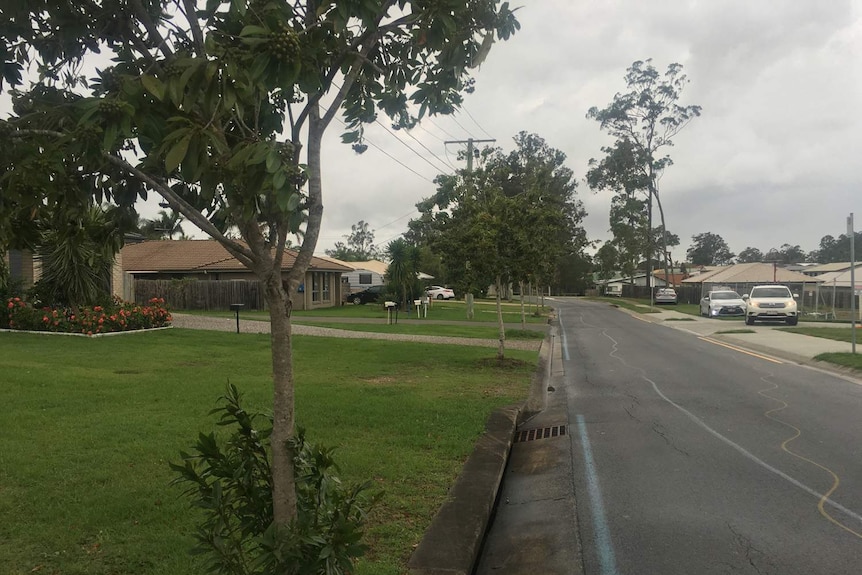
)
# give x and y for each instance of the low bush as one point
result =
(231, 482)
(117, 316)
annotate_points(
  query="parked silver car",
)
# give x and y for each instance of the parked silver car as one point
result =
(666, 296)
(722, 303)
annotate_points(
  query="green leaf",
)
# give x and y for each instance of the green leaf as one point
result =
(293, 202)
(177, 154)
(273, 161)
(253, 31)
(278, 180)
(154, 86)
(110, 136)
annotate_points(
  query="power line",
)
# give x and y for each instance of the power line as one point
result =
(475, 122)
(406, 145)
(454, 119)
(433, 123)
(390, 156)
(429, 151)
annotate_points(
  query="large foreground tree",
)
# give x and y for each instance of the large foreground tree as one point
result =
(214, 106)
(643, 120)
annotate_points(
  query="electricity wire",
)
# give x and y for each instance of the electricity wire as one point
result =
(475, 122)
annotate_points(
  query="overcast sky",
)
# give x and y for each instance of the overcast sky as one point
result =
(775, 158)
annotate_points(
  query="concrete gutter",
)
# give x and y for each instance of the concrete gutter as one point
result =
(452, 543)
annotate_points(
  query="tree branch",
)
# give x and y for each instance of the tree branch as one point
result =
(151, 28)
(191, 17)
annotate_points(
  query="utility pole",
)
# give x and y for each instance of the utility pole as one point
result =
(852, 233)
(470, 148)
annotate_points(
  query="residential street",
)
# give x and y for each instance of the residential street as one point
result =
(682, 456)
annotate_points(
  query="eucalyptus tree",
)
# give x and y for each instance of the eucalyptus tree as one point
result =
(643, 120)
(749, 256)
(709, 249)
(359, 247)
(214, 105)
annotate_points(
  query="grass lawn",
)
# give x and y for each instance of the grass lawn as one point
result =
(89, 426)
(844, 359)
(836, 333)
(449, 310)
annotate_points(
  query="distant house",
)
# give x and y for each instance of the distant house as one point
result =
(614, 285)
(361, 275)
(207, 260)
(741, 277)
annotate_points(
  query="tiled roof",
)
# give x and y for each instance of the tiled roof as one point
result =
(750, 273)
(199, 255)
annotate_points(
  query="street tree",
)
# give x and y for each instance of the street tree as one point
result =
(359, 247)
(606, 260)
(214, 106)
(749, 256)
(709, 249)
(511, 219)
(643, 120)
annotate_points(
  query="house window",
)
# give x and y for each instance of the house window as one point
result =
(320, 287)
(364, 278)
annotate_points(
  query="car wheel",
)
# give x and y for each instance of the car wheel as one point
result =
(792, 320)
(439, 296)
(357, 300)
(749, 320)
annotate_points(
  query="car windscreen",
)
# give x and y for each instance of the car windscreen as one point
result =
(771, 292)
(724, 295)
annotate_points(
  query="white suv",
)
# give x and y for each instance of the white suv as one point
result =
(771, 302)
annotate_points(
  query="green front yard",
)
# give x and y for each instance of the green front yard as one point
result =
(89, 426)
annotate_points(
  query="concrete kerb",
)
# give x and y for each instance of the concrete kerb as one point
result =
(452, 543)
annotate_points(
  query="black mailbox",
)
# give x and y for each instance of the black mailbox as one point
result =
(235, 307)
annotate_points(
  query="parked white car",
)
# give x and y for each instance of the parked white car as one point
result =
(722, 303)
(439, 292)
(771, 302)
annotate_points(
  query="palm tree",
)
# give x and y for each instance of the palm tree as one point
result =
(404, 261)
(77, 257)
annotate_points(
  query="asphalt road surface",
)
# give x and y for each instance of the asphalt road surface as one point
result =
(692, 458)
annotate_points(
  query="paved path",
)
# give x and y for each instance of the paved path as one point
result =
(187, 321)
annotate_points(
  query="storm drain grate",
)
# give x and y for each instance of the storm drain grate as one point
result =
(542, 433)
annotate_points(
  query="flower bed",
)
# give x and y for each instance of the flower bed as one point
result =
(118, 316)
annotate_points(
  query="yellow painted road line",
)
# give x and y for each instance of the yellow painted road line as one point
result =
(741, 350)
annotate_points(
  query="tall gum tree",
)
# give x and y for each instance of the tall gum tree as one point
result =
(212, 105)
(644, 120)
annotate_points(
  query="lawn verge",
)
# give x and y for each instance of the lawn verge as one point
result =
(91, 425)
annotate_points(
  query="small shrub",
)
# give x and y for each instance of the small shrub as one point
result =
(232, 485)
(113, 317)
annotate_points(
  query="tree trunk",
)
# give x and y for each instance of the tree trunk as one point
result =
(501, 347)
(283, 424)
(663, 240)
(523, 315)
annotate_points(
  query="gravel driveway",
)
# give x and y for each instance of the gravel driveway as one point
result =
(250, 326)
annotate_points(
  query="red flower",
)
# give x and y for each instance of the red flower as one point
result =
(11, 305)
(45, 319)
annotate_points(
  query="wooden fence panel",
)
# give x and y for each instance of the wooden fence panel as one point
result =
(201, 294)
